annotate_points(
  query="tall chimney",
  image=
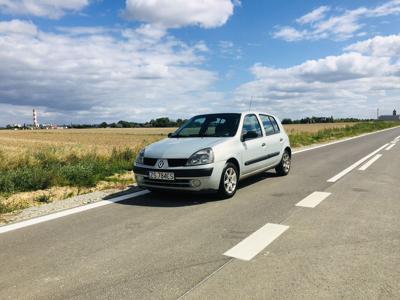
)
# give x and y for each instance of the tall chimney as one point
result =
(35, 120)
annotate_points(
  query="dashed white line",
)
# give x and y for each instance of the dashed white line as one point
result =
(370, 162)
(256, 242)
(355, 165)
(314, 199)
(11, 227)
(390, 147)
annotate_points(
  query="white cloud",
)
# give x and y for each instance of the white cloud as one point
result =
(53, 9)
(357, 81)
(93, 75)
(228, 49)
(179, 13)
(313, 16)
(378, 46)
(18, 27)
(289, 34)
(323, 23)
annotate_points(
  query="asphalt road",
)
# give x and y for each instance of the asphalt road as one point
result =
(165, 247)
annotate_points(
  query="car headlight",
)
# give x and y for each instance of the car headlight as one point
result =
(202, 157)
(140, 157)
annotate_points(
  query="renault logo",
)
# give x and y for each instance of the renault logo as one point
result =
(160, 163)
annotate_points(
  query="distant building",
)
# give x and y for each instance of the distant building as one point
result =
(393, 117)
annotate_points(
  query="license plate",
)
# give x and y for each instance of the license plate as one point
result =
(161, 175)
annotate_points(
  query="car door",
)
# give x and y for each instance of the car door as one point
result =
(273, 139)
(253, 144)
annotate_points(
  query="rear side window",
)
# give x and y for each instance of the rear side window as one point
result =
(267, 123)
(274, 124)
(250, 123)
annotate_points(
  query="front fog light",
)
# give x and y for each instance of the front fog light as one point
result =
(139, 178)
(195, 183)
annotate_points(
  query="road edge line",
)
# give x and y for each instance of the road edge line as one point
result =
(355, 165)
(68, 212)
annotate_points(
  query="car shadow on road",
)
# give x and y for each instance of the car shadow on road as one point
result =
(163, 199)
(248, 182)
(179, 199)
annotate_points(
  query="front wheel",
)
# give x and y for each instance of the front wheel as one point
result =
(284, 166)
(229, 181)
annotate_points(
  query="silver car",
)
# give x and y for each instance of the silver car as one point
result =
(213, 152)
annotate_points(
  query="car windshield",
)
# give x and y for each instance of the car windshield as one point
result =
(213, 125)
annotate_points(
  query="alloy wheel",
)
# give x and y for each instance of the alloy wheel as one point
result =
(286, 162)
(230, 180)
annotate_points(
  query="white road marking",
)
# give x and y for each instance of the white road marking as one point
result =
(390, 147)
(355, 165)
(342, 141)
(15, 226)
(370, 162)
(314, 199)
(256, 242)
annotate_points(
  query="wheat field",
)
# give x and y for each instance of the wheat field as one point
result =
(13, 142)
(100, 140)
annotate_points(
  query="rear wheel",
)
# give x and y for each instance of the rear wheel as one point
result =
(284, 166)
(229, 181)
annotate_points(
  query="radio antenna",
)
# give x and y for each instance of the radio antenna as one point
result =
(251, 102)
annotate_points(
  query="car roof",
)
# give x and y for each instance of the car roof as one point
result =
(241, 113)
(257, 112)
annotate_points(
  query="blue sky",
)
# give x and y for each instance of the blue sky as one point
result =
(92, 61)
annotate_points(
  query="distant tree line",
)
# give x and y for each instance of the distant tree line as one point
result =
(158, 123)
(321, 120)
(167, 122)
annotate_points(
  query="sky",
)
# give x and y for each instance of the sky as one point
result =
(89, 61)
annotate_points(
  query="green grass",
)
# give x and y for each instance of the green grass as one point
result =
(45, 169)
(324, 135)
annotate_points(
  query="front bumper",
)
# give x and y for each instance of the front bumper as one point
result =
(201, 178)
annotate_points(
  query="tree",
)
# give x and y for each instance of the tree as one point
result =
(287, 121)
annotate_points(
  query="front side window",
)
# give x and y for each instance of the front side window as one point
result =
(267, 123)
(212, 125)
(250, 123)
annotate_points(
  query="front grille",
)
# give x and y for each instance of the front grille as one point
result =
(149, 161)
(172, 162)
(177, 162)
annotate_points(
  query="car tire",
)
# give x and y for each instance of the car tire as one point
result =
(284, 166)
(229, 181)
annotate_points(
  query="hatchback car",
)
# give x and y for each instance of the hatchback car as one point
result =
(213, 152)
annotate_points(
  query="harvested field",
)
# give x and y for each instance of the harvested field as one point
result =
(313, 128)
(105, 140)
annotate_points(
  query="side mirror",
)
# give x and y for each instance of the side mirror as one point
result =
(249, 135)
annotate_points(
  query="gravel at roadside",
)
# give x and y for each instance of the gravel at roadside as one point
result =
(56, 206)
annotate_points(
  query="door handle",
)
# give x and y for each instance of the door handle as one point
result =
(281, 140)
(263, 144)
